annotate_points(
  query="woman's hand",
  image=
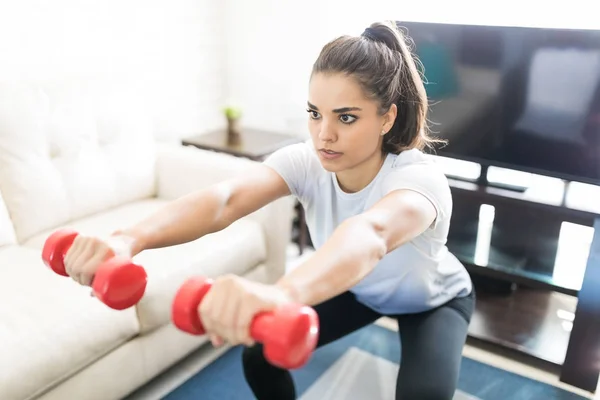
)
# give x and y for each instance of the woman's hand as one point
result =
(231, 304)
(88, 252)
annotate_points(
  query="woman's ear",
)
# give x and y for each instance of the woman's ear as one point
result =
(389, 118)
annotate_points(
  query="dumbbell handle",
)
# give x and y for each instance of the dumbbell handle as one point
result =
(188, 300)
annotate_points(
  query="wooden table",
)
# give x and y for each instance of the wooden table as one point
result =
(256, 145)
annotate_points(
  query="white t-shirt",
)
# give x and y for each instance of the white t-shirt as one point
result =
(417, 276)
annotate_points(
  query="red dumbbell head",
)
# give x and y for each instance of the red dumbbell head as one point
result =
(55, 248)
(184, 312)
(289, 335)
(119, 283)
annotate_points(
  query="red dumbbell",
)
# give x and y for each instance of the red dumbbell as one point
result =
(118, 282)
(289, 334)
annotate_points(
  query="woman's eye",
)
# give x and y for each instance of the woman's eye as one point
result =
(313, 114)
(347, 119)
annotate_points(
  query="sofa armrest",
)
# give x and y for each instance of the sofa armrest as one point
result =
(181, 170)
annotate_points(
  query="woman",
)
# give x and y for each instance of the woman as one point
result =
(378, 211)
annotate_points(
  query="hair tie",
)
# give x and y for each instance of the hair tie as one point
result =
(371, 34)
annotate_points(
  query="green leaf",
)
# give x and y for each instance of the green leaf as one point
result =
(232, 112)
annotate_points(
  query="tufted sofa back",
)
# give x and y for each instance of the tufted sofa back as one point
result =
(69, 152)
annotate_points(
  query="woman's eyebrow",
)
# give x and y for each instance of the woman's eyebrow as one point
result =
(346, 109)
(337, 110)
(310, 105)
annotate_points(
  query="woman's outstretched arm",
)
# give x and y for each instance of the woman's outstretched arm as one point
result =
(209, 210)
(183, 220)
(357, 245)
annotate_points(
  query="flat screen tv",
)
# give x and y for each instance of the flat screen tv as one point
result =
(516, 97)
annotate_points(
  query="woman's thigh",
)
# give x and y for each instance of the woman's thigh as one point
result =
(432, 344)
(342, 315)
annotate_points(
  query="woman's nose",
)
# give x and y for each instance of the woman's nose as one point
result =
(326, 133)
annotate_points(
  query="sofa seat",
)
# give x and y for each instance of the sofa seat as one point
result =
(51, 327)
(236, 250)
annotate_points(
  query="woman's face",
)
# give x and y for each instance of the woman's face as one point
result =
(345, 127)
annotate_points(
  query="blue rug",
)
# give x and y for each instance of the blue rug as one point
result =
(223, 379)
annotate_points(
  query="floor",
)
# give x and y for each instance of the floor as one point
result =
(486, 354)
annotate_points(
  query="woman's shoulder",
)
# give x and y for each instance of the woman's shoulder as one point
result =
(298, 163)
(415, 160)
(416, 170)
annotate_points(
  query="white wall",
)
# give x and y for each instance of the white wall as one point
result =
(272, 44)
(191, 57)
(271, 47)
(170, 51)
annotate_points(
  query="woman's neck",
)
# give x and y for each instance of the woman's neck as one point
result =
(355, 179)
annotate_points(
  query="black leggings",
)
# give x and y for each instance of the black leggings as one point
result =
(432, 344)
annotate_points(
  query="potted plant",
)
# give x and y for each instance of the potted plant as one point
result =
(233, 115)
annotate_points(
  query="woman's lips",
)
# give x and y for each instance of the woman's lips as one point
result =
(329, 154)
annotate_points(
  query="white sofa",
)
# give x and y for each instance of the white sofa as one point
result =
(86, 159)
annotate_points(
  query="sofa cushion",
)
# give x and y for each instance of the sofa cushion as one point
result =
(104, 223)
(7, 232)
(50, 326)
(69, 153)
(236, 250)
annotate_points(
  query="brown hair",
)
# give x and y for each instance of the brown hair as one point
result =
(383, 64)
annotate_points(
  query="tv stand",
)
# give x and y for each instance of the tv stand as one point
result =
(525, 296)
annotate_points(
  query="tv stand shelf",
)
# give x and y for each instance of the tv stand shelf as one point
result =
(529, 294)
(518, 198)
(526, 320)
(517, 269)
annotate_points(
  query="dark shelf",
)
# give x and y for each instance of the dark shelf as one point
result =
(512, 268)
(531, 321)
(518, 240)
(517, 198)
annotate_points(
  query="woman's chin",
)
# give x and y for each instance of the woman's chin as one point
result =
(331, 167)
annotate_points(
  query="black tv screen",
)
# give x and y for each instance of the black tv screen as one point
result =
(516, 97)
